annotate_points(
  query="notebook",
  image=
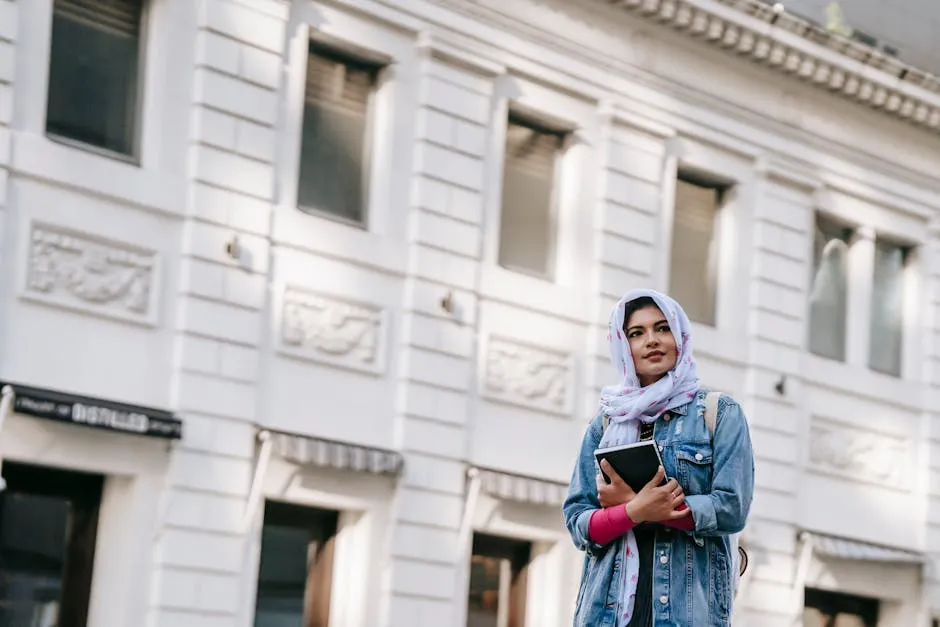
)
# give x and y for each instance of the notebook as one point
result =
(636, 463)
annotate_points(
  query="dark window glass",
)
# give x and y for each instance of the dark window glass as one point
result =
(296, 569)
(48, 527)
(334, 143)
(887, 308)
(693, 269)
(828, 299)
(822, 608)
(527, 221)
(498, 575)
(93, 73)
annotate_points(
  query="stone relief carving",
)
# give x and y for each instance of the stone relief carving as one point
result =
(858, 454)
(525, 374)
(100, 276)
(325, 328)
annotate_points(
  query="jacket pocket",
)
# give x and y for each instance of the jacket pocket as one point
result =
(720, 566)
(694, 466)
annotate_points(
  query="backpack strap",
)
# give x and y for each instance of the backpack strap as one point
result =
(605, 422)
(711, 411)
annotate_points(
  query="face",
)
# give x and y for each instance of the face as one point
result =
(651, 343)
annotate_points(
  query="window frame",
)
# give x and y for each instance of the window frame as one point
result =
(520, 116)
(829, 600)
(347, 55)
(137, 133)
(519, 554)
(86, 492)
(316, 612)
(157, 179)
(853, 234)
(724, 189)
(383, 241)
(907, 329)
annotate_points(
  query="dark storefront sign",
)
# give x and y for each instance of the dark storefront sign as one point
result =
(94, 412)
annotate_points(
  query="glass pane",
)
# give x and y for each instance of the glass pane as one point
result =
(33, 546)
(526, 221)
(829, 290)
(331, 161)
(887, 309)
(693, 271)
(333, 145)
(93, 79)
(484, 594)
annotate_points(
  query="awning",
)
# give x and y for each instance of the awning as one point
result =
(522, 489)
(846, 549)
(94, 412)
(310, 451)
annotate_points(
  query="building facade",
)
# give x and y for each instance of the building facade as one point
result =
(303, 303)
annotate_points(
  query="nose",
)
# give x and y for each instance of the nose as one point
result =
(652, 339)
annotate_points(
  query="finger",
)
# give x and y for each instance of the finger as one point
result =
(679, 513)
(610, 472)
(677, 501)
(671, 485)
(657, 478)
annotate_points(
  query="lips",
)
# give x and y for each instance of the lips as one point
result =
(655, 355)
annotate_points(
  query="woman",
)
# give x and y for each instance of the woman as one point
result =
(662, 557)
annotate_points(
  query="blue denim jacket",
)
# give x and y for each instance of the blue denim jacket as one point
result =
(692, 571)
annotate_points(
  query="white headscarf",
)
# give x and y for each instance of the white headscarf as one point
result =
(627, 404)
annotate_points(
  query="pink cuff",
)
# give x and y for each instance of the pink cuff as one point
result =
(686, 523)
(608, 524)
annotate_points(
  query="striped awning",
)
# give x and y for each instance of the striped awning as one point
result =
(522, 489)
(846, 549)
(310, 451)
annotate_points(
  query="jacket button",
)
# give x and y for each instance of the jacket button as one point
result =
(698, 457)
(663, 560)
(664, 599)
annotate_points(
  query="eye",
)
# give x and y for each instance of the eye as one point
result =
(663, 328)
(634, 333)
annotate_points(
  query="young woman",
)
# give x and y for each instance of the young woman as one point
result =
(661, 557)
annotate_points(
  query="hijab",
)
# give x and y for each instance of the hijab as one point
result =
(627, 404)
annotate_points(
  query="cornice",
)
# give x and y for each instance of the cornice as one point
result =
(791, 45)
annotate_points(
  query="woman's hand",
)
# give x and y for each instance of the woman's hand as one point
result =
(656, 503)
(617, 492)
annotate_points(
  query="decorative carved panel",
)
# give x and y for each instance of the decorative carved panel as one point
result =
(526, 375)
(333, 331)
(858, 454)
(84, 272)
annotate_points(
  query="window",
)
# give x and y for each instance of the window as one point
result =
(693, 269)
(834, 609)
(93, 95)
(48, 527)
(527, 222)
(334, 153)
(497, 594)
(887, 308)
(296, 569)
(828, 299)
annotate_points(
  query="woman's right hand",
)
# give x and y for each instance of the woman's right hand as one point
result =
(657, 502)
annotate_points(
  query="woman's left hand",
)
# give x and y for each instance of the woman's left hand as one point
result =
(617, 492)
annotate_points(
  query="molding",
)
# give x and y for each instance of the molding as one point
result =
(434, 46)
(331, 330)
(616, 116)
(86, 272)
(799, 175)
(794, 46)
(533, 377)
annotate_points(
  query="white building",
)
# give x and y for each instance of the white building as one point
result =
(360, 254)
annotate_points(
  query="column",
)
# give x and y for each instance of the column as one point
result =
(221, 294)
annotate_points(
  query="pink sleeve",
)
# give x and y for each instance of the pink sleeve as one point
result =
(608, 524)
(686, 523)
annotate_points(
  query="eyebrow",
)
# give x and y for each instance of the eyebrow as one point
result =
(639, 326)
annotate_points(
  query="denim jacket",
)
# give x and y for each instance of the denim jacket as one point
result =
(692, 571)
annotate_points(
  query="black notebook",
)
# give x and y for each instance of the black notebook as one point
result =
(636, 463)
